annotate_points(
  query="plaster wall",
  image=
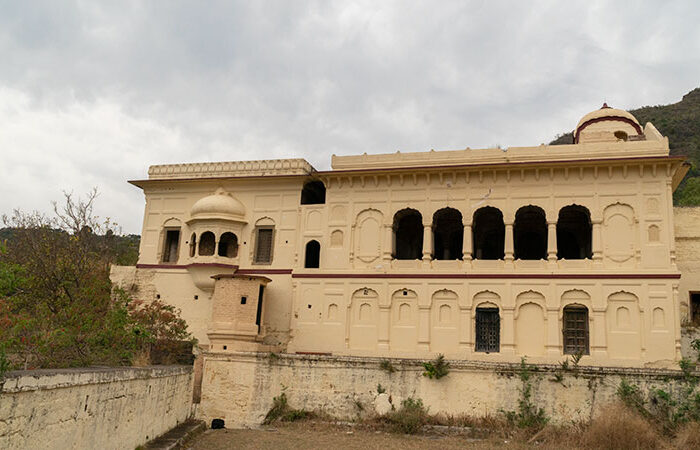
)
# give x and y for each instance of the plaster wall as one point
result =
(113, 408)
(687, 231)
(239, 387)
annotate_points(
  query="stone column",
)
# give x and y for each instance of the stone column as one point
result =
(597, 243)
(509, 243)
(552, 242)
(427, 242)
(388, 242)
(467, 242)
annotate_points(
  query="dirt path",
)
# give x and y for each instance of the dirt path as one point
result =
(310, 435)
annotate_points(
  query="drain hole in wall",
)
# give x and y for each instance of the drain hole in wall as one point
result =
(158, 296)
(224, 347)
(309, 306)
(196, 297)
(217, 424)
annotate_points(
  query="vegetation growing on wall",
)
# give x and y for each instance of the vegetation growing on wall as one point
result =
(57, 308)
(436, 368)
(680, 122)
(528, 414)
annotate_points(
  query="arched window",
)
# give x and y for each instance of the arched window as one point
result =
(228, 245)
(575, 329)
(207, 244)
(448, 234)
(574, 231)
(313, 193)
(489, 233)
(488, 330)
(530, 233)
(312, 256)
(408, 230)
(193, 245)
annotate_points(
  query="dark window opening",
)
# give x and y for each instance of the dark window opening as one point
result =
(207, 244)
(488, 330)
(574, 231)
(448, 234)
(312, 256)
(530, 233)
(489, 233)
(193, 245)
(263, 245)
(313, 193)
(258, 314)
(695, 308)
(575, 328)
(228, 245)
(171, 245)
(621, 135)
(244, 300)
(408, 230)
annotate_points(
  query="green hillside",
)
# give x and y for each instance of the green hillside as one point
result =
(681, 123)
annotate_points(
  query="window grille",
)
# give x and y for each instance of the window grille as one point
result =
(488, 330)
(263, 246)
(575, 331)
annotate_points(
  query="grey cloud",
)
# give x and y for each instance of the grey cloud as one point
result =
(92, 93)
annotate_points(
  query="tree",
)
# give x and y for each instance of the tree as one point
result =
(57, 307)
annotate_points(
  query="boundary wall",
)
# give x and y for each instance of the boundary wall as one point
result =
(239, 387)
(105, 408)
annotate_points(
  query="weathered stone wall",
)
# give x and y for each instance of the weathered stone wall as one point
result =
(96, 408)
(239, 387)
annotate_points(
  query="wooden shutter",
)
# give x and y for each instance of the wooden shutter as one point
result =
(263, 246)
(575, 331)
(488, 330)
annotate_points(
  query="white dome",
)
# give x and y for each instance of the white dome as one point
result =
(220, 205)
(608, 119)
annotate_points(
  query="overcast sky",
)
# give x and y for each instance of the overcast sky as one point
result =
(92, 94)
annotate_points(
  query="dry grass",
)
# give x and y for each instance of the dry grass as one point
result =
(688, 436)
(616, 427)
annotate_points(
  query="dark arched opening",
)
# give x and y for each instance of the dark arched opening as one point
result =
(574, 231)
(228, 245)
(530, 233)
(489, 233)
(408, 231)
(448, 234)
(313, 193)
(312, 258)
(207, 244)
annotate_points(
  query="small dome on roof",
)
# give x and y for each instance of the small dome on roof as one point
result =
(220, 205)
(608, 119)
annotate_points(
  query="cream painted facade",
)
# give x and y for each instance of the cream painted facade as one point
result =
(480, 254)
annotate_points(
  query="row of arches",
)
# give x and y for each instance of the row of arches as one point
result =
(226, 245)
(529, 319)
(530, 234)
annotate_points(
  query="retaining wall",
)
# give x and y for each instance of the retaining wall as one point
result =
(105, 408)
(239, 387)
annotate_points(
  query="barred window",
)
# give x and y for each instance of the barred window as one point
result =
(575, 330)
(264, 237)
(488, 330)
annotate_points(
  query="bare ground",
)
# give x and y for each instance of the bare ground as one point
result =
(312, 435)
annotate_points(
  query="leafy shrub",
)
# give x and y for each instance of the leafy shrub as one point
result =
(528, 414)
(436, 368)
(283, 412)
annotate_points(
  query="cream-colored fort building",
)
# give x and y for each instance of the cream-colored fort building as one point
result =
(481, 254)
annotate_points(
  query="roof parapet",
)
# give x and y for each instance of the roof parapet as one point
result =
(267, 167)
